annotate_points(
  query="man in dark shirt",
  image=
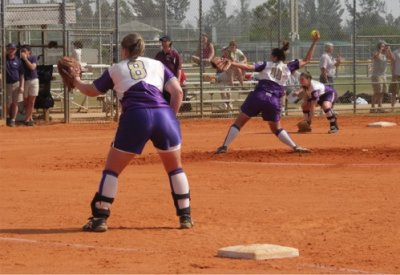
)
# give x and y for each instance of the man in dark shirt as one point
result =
(15, 83)
(171, 59)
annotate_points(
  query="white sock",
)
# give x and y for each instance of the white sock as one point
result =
(232, 133)
(108, 188)
(285, 138)
(180, 186)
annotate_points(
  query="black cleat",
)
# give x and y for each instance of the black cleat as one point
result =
(333, 129)
(221, 150)
(185, 222)
(95, 225)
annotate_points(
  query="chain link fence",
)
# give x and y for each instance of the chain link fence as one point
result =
(94, 28)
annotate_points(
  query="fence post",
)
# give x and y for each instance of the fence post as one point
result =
(65, 48)
(354, 59)
(201, 59)
(3, 99)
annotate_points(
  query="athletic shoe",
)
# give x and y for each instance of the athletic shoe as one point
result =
(29, 123)
(299, 149)
(96, 225)
(221, 150)
(11, 123)
(334, 129)
(185, 222)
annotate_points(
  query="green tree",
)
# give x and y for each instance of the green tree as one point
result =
(216, 13)
(242, 19)
(370, 18)
(176, 9)
(125, 10)
(107, 14)
(330, 14)
(265, 24)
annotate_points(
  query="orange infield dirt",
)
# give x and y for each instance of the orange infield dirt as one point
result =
(339, 205)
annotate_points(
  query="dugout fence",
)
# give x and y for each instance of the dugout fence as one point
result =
(53, 27)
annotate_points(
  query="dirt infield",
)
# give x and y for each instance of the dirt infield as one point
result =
(339, 205)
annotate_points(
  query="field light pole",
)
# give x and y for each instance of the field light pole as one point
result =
(201, 58)
(165, 17)
(3, 98)
(354, 58)
(65, 52)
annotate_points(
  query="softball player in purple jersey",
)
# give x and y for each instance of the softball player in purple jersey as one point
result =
(139, 82)
(265, 98)
(316, 93)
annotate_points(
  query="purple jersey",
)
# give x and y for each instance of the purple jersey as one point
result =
(274, 76)
(138, 83)
(14, 70)
(319, 92)
(30, 74)
(265, 98)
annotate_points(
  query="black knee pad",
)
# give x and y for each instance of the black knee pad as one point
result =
(100, 213)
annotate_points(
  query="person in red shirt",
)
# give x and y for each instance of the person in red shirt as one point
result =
(171, 59)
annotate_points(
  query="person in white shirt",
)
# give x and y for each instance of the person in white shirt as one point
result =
(378, 77)
(395, 85)
(328, 65)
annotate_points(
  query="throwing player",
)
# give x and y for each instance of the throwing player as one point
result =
(139, 82)
(265, 98)
(316, 93)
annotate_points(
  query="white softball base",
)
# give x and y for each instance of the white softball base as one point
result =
(258, 252)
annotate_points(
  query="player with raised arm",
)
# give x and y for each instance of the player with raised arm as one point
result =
(316, 93)
(265, 98)
(139, 82)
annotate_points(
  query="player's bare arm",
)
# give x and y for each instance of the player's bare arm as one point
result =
(245, 67)
(175, 90)
(86, 89)
(310, 52)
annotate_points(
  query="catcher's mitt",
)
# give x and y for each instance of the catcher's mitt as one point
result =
(221, 64)
(303, 127)
(68, 68)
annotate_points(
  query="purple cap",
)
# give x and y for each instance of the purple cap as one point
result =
(165, 38)
(11, 46)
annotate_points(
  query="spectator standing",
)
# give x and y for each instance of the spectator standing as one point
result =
(171, 59)
(378, 77)
(31, 87)
(14, 82)
(395, 76)
(328, 64)
(77, 51)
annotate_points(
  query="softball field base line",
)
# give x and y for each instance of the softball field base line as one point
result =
(258, 252)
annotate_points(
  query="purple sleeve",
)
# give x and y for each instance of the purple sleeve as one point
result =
(259, 66)
(168, 75)
(104, 82)
(33, 59)
(293, 65)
